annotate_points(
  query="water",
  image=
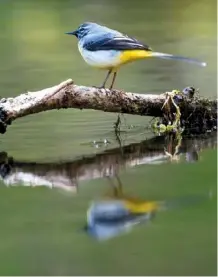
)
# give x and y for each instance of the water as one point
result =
(42, 228)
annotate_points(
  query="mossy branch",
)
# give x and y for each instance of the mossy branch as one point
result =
(68, 95)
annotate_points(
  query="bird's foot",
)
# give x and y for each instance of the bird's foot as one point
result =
(99, 87)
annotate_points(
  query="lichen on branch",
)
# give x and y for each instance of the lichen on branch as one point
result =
(195, 111)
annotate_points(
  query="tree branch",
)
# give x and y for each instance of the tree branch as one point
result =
(69, 95)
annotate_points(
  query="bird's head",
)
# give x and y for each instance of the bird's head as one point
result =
(83, 29)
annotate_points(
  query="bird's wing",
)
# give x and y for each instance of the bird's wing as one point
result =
(106, 41)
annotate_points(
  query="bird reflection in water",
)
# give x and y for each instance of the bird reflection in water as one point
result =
(118, 214)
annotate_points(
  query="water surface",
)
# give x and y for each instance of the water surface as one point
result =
(41, 228)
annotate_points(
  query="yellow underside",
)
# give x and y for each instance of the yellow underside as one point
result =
(133, 55)
(127, 56)
(143, 207)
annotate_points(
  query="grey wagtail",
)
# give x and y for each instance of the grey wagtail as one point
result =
(108, 49)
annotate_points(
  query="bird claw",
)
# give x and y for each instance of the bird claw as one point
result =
(101, 87)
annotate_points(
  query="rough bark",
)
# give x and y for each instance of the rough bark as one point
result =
(69, 95)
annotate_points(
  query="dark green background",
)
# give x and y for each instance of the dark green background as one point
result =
(40, 228)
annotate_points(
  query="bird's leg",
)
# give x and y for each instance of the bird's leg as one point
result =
(114, 187)
(106, 78)
(120, 186)
(113, 80)
(117, 123)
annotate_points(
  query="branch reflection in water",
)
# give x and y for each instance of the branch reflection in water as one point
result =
(117, 213)
(67, 175)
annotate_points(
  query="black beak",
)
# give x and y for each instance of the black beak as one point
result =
(74, 33)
